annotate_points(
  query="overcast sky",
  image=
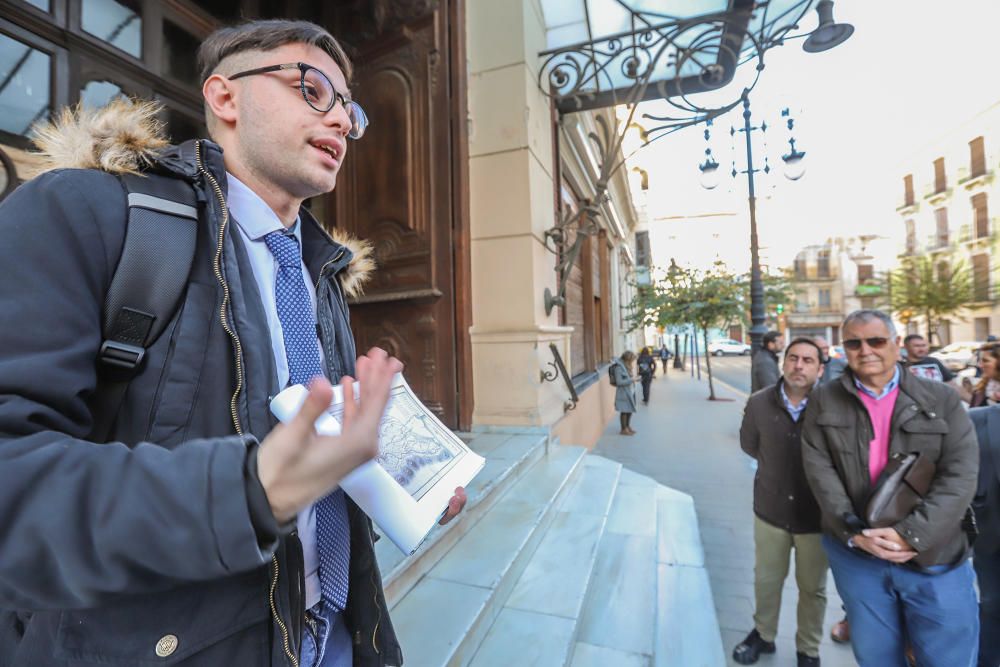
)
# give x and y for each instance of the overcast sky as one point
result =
(912, 70)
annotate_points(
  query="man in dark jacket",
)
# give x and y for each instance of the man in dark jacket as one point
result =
(911, 582)
(986, 558)
(787, 516)
(193, 534)
(764, 369)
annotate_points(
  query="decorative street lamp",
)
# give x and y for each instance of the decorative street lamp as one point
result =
(670, 58)
(794, 166)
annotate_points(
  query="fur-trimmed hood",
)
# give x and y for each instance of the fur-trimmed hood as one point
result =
(127, 137)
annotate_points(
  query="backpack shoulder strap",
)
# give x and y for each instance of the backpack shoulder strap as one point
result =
(151, 276)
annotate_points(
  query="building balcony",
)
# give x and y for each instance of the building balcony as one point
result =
(973, 181)
(934, 196)
(908, 208)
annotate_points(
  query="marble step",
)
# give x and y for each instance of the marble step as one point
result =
(687, 627)
(443, 619)
(508, 456)
(538, 624)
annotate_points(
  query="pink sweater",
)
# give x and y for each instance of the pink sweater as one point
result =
(880, 412)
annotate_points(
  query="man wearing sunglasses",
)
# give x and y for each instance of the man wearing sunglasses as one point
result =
(851, 428)
(195, 530)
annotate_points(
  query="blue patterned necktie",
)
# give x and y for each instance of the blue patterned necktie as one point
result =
(298, 327)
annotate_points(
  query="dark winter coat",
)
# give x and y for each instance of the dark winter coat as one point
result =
(928, 417)
(781, 493)
(108, 549)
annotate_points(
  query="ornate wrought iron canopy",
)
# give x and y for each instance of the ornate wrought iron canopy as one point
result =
(607, 52)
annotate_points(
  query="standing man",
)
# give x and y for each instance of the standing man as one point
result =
(786, 517)
(832, 368)
(764, 369)
(195, 529)
(986, 560)
(664, 357)
(921, 364)
(911, 582)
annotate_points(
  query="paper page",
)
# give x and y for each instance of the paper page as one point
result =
(407, 487)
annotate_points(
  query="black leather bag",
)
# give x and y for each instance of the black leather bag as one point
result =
(904, 482)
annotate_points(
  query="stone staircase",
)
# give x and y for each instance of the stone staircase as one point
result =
(560, 558)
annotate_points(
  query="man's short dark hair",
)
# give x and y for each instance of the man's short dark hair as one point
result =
(769, 338)
(267, 35)
(805, 341)
(912, 337)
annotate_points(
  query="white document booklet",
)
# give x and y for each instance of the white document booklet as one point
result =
(406, 488)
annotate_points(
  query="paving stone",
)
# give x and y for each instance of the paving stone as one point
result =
(527, 639)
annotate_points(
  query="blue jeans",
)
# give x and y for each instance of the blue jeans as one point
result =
(988, 571)
(889, 606)
(325, 639)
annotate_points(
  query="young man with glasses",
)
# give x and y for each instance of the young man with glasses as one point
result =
(852, 426)
(198, 531)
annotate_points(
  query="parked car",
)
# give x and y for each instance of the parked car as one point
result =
(958, 355)
(727, 346)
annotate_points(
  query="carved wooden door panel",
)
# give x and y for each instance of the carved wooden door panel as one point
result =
(396, 191)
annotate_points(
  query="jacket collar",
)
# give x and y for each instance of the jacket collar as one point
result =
(911, 390)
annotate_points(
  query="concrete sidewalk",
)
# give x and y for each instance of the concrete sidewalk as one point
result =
(691, 444)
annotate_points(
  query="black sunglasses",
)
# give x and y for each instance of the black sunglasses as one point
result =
(875, 343)
(319, 93)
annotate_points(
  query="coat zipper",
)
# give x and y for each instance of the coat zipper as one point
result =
(217, 268)
(238, 353)
(323, 268)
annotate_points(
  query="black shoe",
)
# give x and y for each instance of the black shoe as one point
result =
(748, 651)
(807, 661)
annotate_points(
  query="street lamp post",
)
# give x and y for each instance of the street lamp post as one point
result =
(757, 314)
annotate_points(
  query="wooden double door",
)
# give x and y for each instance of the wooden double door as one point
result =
(404, 187)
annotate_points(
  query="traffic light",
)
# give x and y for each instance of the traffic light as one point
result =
(780, 308)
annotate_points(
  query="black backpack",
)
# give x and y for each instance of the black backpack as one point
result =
(151, 276)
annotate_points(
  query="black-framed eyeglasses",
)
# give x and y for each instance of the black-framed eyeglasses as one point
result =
(319, 93)
(875, 342)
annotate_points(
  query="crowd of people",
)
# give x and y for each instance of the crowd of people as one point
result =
(886, 471)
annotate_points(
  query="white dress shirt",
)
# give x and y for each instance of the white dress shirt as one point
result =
(254, 219)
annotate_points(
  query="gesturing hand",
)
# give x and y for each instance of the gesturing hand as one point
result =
(297, 466)
(885, 543)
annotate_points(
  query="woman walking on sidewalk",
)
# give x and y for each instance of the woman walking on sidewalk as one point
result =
(647, 368)
(621, 378)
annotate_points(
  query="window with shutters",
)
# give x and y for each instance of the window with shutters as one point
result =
(823, 264)
(941, 221)
(824, 299)
(980, 215)
(940, 179)
(800, 268)
(981, 277)
(908, 190)
(865, 272)
(977, 157)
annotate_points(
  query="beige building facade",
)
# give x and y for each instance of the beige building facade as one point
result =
(947, 206)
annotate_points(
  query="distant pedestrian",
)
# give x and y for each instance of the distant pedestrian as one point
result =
(910, 582)
(921, 364)
(664, 358)
(647, 367)
(786, 517)
(764, 370)
(621, 378)
(987, 547)
(832, 368)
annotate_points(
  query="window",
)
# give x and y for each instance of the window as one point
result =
(116, 22)
(824, 298)
(911, 237)
(823, 264)
(25, 80)
(41, 4)
(908, 190)
(940, 180)
(96, 94)
(980, 215)
(982, 325)
(977, 157)
(941, 218)
(865, 272)
(642, 254)
(179, 53)
(980, 277)
(800, 268)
